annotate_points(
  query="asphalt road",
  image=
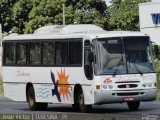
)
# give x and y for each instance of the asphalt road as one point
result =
(10, 110)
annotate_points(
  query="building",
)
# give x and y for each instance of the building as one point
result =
(149, 16)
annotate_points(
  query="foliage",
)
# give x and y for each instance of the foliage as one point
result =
(158, 94)
(27, 15)
(124, 14)
(44, 13)
(6, 14)
(1, 88)
(20, 14)
(158, 73)
(81, 11)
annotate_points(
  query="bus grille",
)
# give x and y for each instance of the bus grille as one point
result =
(129, 94)
(128, 86)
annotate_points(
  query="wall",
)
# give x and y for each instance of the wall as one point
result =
(149, 16)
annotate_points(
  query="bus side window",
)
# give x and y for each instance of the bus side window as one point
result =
(48, 53)
(35, 53)
(10, 53)
(75, 52)
(88, 69)
(61, 53)
(21, 53)
(58, 53)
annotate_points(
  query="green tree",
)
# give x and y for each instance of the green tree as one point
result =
(124, 14)
(6, 14)
(91, 12)
(20, 13)
(27, 15)
(46, 12)
(158, 72)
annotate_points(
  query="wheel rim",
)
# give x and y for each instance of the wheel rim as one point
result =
(31, 99)
(81, 101)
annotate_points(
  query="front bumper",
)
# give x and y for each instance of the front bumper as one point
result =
(104, 97)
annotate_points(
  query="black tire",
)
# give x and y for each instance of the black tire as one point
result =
(79, 103)
(33, 105)
(75, 107)
(133, 106)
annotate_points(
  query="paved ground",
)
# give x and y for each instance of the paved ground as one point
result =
(20, 111)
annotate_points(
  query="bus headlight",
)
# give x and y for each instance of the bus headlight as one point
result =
(105, 86)
(147, 85)
(144, 85)
(110, 86)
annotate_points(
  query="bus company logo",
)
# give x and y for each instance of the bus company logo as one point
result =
(22, 73)
(63, 85)
(107, 81)
(148, 77)
(156, 18)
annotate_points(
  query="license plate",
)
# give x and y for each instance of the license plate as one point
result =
(126, 99)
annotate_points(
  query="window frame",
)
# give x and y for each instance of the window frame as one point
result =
(4, 55)
(41, 41)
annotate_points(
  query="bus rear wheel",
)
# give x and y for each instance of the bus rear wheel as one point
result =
(35, 106)
(79, 104)
(133, 106)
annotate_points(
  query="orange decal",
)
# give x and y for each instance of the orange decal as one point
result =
(63, 84)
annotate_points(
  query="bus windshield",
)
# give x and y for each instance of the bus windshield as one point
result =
(123, 55)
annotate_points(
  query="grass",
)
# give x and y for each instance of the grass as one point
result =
(158, 94)
(1, 86)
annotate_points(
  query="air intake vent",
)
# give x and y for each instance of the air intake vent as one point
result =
(128, 94)
(128, 86)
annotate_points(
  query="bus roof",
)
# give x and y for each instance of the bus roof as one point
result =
(71, 31)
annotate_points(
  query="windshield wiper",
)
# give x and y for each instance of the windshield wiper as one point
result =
(138, 70)
(118, 65)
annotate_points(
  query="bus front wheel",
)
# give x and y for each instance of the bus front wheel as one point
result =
(80, 105)
(32, 101)
(133, 106)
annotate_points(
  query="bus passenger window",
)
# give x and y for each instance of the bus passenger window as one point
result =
(58, 53)
(75, 52)
(48, 53)
(35, 53)
(64, 53)
(10, 53)
(61, 53)
(21, 53)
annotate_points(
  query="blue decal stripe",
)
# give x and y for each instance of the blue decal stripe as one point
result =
(40, 96)
(55, 90)
(42, 92)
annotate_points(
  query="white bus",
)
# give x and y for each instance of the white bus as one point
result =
(82, 65)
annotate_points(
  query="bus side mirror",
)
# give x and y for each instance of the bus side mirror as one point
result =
(90, 57)
(156, 50)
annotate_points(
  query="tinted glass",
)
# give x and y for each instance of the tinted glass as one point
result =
(10, 53)
(35, 53)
